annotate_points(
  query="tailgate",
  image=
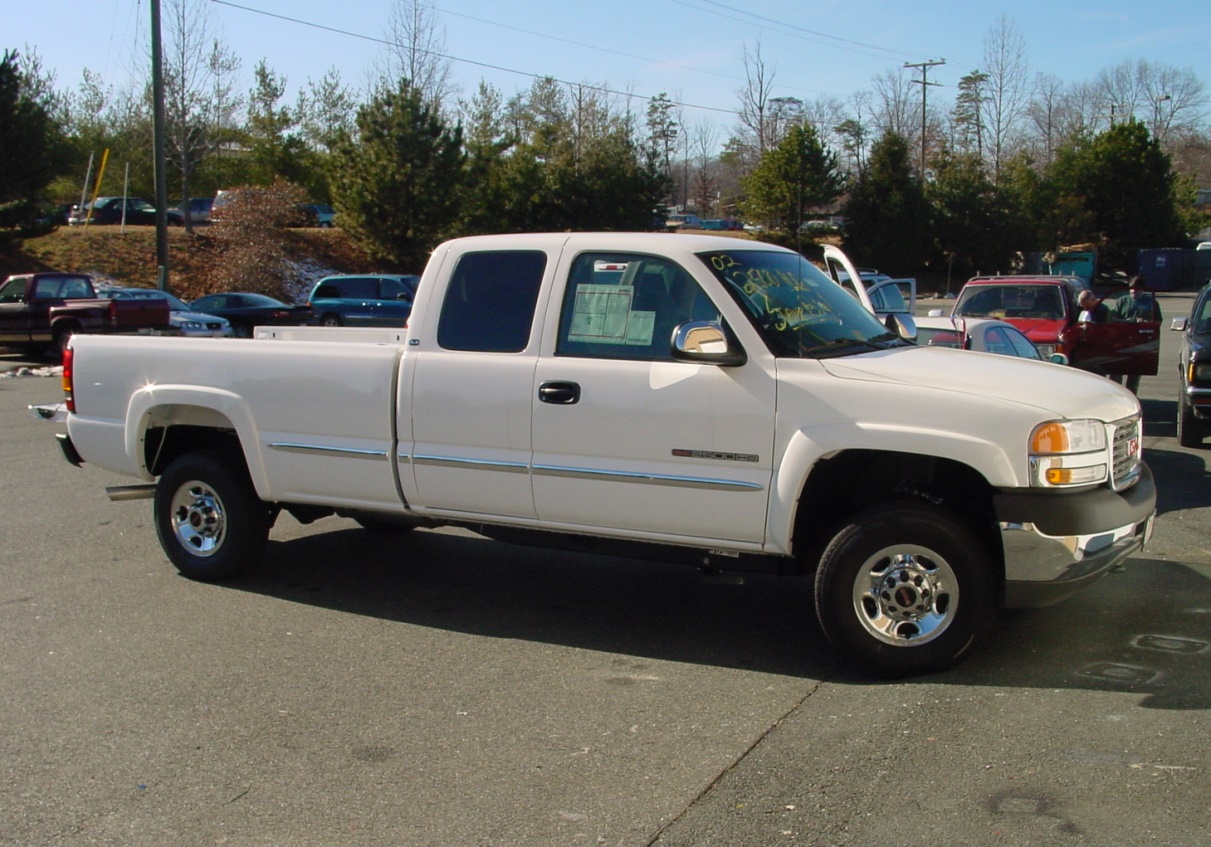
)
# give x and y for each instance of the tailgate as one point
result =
(138, 313)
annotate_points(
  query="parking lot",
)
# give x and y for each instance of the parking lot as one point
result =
(447, 690)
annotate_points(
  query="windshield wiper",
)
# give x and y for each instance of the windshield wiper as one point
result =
(841, 346)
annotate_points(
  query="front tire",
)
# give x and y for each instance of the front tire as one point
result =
(1189, 428)
(904, 589)
(330, 320)
(211, 524)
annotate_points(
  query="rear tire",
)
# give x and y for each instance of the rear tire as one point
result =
(330, 320)
(905, 588)
(211, 524)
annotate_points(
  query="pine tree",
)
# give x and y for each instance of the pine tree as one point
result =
(797, 175)
(396, 186)
(887, 216)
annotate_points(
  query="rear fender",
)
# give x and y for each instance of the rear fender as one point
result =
(214, 408)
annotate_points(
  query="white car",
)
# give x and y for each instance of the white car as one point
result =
(983, 334)
(180, 314)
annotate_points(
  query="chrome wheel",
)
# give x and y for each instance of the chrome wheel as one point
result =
(199, 522)
(905, 595)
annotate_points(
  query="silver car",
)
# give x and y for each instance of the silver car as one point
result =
(181, 315)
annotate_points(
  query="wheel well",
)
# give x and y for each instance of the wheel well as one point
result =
(853, 481)
(161, 445)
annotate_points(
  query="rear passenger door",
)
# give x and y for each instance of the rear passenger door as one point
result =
(472, 381)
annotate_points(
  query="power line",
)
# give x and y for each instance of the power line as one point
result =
(501, 68)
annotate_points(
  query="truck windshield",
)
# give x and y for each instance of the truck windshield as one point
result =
(799, 311)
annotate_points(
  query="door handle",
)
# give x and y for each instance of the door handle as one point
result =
(559, 393)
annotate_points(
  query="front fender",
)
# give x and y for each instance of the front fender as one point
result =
(809, 445)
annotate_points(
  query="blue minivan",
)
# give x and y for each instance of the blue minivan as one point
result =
(364, 299)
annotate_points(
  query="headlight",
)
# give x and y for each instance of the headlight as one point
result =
(1068, 453)
(191, 324)
(1200, 371)
(1046, 350)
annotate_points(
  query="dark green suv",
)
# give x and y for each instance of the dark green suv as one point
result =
(364, 299)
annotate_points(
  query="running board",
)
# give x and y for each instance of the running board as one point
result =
(131, 492)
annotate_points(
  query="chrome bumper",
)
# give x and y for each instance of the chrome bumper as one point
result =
(1069, 545)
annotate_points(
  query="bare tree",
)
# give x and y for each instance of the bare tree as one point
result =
(704, 144)
(199, 81)
(1166, 99)
(897, 106)
(1007, 90)
(416, 51)
(755, 134)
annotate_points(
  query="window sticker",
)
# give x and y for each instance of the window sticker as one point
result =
(602, 314)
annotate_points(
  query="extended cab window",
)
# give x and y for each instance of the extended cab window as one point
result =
(489, 304)
(626, 306)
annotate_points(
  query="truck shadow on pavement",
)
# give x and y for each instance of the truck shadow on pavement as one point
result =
(1145, 631)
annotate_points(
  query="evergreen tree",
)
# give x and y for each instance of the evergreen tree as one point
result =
(797, 175)
(976, 227)
(30, 147)
(887, 216)
(1126, 183)
(276, 149)
(396, 186)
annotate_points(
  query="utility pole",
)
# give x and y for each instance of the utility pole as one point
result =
(924, 83)
(159, 159)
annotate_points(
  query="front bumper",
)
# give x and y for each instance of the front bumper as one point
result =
(1055, 545)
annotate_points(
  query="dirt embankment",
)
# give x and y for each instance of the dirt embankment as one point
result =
(129, 257)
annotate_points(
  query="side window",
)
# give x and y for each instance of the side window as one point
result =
(13, 291)
(357, 288)
(626, 306)
(489, 304)
(393, 288)
(47, 289)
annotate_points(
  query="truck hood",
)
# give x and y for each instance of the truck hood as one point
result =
(1058, 390)
(1038, 330)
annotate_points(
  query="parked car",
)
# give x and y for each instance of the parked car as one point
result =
(109, 210)
(199, 211)
(182, 316)
(319, 214)
(364, 299)
(980, 334)
(1046, 309)
(246, 311)
(1194, 372)
(683, 222)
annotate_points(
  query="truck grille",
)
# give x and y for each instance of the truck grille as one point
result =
(1127, 438)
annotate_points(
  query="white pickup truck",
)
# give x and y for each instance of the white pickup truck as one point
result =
(703, 399)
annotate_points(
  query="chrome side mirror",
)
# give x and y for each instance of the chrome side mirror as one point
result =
(902, 325)
(707, 343)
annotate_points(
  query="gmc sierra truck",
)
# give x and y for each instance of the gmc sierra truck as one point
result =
(698, 399)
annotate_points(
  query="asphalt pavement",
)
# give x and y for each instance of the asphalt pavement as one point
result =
(443, 690)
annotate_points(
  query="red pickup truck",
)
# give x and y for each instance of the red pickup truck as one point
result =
(43, 310)
(1045, 309)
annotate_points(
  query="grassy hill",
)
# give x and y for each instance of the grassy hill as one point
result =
(129, 257)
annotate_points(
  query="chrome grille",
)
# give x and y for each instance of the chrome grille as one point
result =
(1127, 438)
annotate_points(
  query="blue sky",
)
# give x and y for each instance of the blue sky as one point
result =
(689, 49)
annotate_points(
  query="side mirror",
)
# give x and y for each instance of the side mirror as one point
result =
(935, 313)
(1058, 358)
(902, 325)
(1179, 324)
(707, 343)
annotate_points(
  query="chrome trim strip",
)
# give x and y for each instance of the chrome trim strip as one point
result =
(484, 464)
(355, 452)
(649, 479)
